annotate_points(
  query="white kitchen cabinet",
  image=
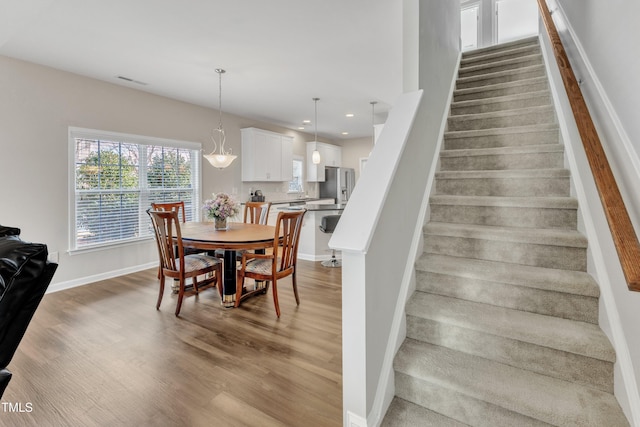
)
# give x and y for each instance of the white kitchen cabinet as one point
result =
(266, 156)
(330, 155)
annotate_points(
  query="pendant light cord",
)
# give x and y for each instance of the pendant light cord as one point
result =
(315, 121)
(220, 71)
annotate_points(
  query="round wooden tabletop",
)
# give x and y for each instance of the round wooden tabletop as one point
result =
(238, 235)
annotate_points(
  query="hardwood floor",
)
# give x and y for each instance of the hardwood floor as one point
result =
(102, 355)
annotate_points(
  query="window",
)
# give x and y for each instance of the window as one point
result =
(116, 177)
(295, 185)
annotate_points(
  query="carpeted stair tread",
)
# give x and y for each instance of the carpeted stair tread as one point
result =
(502, 48)
(403, 413)
(549, 279)
(556, 402)
(504, 174)
(582, 338)
(534, 129)
(521, 202)
(506, 118)
(515, 52)
(526, 85)
(500, 65)
(563, 293)
(501, 103)
(495, 151)
(555, 237)
(523, 73)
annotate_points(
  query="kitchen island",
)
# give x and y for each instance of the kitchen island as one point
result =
(314, 244)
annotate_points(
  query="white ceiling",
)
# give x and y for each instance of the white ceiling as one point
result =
(278, 54)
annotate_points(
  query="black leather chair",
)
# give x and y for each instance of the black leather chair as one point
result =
(25, 275)
(328, 225)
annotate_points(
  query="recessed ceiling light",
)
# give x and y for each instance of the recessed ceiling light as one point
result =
(349, 115)
(306, 122)
(345, 133)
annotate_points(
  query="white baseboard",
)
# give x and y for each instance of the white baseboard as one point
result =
(98, 277)
(312, 257)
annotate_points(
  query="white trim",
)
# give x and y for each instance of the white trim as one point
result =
(354, 420)
(61, 286)
(616, 331)
(386, 385)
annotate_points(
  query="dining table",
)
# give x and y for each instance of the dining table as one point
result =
(237, 236)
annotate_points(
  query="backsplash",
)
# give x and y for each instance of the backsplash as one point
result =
(275, 191)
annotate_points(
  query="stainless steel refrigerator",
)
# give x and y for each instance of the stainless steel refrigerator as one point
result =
(338, 184)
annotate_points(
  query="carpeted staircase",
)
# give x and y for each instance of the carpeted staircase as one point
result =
(503, 328)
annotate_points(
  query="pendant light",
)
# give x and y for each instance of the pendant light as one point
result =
(315, 156)
(223, 158)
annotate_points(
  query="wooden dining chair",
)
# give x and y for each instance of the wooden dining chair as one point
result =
(175, 264)
(256, 212)
(271, 267)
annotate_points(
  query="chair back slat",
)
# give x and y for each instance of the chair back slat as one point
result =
(256, 212)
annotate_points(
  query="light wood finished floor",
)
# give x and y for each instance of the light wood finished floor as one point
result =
(101, 355)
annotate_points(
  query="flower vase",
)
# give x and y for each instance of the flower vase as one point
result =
(220, 224)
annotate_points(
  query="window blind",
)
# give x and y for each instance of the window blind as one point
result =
(118, 176)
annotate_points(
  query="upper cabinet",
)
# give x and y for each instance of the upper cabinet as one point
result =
(330, 155)
(266, 155)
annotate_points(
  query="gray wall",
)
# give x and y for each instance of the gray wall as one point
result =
(38, 104)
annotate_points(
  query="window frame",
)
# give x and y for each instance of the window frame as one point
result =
(297, 158)
(143, 189)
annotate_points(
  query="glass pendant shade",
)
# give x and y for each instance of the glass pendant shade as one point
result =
(315, 157)
(222, 158)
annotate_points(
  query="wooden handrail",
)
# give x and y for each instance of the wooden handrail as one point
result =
(624, 236)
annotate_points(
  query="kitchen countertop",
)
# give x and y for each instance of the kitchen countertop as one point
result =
(288, 201)
(315, 208)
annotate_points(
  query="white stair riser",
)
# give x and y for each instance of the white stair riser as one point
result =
(538, 255)
(519, 297)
